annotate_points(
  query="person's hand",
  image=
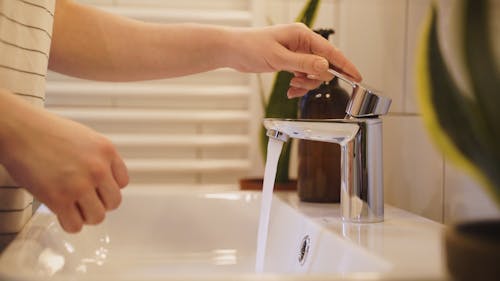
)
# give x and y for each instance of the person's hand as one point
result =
(73, 170)
(291, 47)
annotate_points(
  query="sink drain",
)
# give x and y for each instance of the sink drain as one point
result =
(304, 249)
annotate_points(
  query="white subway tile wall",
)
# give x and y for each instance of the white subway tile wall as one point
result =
(413, 168)
(417, 11)
(372, 34)
(380, 36)
(465, 198)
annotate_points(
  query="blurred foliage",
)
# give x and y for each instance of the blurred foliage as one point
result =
(464, 123)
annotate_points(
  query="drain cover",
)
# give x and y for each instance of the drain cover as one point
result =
(304, 249)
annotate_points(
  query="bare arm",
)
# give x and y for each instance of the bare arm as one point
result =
(93, 44)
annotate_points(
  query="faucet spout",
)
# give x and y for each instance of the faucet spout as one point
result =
(326, 130)
(360, 140)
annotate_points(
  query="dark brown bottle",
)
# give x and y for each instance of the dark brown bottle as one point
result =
(319, 162)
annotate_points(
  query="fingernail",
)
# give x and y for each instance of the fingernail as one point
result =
(312, 76)
(321, 65)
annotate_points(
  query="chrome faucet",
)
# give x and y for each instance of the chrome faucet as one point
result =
(360, 139)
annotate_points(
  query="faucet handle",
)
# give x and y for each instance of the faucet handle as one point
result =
(364, 102)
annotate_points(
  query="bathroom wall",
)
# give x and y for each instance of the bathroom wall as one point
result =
(380, 36)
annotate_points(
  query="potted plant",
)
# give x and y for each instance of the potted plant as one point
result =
(279, 106)
(466, 127)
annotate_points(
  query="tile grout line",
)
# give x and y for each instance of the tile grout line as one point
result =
(399, 114)
(443, 190)
(405, 56)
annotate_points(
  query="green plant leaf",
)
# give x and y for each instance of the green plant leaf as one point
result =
(484, 73)
(279, 106)
(308, 13)
(453, 118)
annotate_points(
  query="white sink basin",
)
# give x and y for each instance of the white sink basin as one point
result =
(186, 235)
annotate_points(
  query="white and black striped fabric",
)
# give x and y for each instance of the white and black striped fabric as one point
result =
(25, 36)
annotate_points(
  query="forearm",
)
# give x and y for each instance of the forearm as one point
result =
(92, 44)
(8, 106)
(20, 121)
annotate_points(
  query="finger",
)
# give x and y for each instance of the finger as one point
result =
(91, 208)
(70, 219)
(305, 83)
(325, 76)
(300, 62)
(323, 48)
(120, 172)
(299, 74)
(109, 193)
(295, 92)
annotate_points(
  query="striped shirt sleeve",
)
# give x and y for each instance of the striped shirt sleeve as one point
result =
(25, 37)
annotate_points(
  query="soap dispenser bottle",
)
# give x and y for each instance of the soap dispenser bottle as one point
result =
(319, 162)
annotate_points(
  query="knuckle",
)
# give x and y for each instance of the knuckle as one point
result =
(78, 191)
(302, 30)
(299, 26)
(303, 63)
(105, 146)
(71, 226)
(122, 175)
(62, 200)
(95, 216)
(277, 60)
(100, 216)
(97, 169)
(126, 179)
(75, 227)
(51, 198)
(116, 203)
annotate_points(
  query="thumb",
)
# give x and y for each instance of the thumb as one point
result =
(305, 63)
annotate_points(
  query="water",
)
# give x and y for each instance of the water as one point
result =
(273, 153)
